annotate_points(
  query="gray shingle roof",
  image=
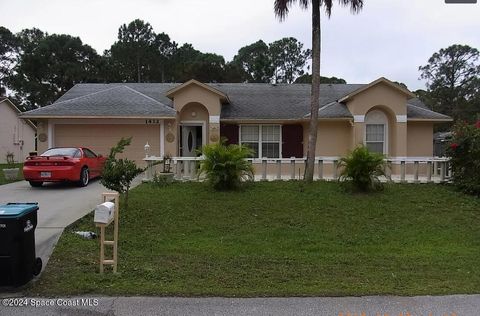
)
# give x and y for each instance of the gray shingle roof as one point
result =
(247, 101)
(334, 110)
(282, 101)
(105, 100)
(414, 111)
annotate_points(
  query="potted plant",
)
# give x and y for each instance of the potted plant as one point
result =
(11, 172)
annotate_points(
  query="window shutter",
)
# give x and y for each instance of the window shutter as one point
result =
(230, 132)
(292, 141)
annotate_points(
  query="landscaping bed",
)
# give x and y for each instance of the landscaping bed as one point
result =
(279, 239)
(2, 177)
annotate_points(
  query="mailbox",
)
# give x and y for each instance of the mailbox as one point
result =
(104, 213)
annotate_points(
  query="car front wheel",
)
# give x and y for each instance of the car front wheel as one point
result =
(84, 177)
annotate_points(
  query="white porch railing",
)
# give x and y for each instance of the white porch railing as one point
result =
(400, 169)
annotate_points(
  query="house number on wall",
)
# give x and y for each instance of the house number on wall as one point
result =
(152, 121)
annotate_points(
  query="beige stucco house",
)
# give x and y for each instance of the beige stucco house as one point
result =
(17, 135)
(177, 119)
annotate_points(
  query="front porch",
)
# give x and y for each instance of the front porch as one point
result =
(400, 170)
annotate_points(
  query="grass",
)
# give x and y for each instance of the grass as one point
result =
(2, 176)
(279, 239)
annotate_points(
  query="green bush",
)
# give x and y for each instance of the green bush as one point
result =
(361, 169)
(162, 179)
(464, 153)
(118, 174)
(225, 166)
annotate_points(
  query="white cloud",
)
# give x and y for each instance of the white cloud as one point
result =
(388, 38)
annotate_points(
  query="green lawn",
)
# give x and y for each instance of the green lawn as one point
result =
(279, 239)
(2, 177)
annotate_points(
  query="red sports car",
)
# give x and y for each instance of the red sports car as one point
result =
(63, 164)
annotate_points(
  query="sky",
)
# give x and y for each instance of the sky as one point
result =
(389, 38)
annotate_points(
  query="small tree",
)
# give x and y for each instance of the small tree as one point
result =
(464, 153)
(362, 169)
(226, 166)
(118, 174)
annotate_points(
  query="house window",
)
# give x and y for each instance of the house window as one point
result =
(263, 139)
(375, 137)
(376, 131)
(250, 136)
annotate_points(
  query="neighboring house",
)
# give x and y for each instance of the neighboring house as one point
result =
(16, 134)
(177, 119)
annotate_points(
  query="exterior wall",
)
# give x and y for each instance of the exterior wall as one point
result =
(104, 134)
(171, 138)
(42, 136)
(393, 104)
(194, 93)
(14, 131)
(380, 94)
(420, 139)
(334, 138)
(194, 98)
(194, 112)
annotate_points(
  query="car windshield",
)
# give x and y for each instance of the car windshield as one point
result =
(68, 152)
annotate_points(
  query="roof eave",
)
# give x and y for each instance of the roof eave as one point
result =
(36, 117)
(429, 120)
(284, 119)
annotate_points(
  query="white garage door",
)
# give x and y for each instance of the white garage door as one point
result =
(100, 138)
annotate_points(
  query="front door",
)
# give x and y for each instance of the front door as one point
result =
(191, 140)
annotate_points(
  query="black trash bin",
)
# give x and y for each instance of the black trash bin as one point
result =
(18, 263)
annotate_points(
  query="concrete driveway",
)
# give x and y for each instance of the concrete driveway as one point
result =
(60, 205)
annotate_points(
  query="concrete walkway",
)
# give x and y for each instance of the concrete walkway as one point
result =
(455, 305)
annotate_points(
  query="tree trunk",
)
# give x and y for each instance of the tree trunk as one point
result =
(315, 93)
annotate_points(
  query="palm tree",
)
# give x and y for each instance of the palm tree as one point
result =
(281, 8)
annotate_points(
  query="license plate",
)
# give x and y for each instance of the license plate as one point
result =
(45, 174)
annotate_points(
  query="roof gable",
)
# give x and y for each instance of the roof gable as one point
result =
(380, 80)
(223, 97)
(17, 111)
(10, 104)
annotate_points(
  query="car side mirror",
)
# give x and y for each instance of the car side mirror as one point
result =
(100, 156)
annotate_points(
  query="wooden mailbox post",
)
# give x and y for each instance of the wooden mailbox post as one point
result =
(109, 196)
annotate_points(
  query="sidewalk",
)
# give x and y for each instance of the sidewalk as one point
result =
(452, 305)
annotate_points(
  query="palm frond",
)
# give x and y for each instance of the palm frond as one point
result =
(282, 7)
(355, 5)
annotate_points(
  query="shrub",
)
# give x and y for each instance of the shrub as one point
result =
(225, 166)
(118, 174)
(362, 168)
(162, 179)
(464, 153)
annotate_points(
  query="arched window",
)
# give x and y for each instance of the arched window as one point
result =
(376, 128)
